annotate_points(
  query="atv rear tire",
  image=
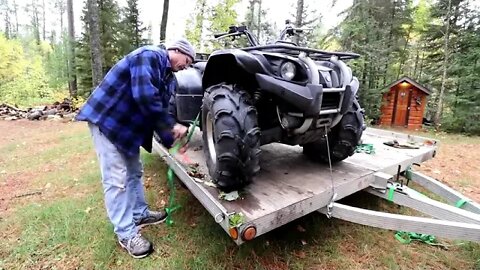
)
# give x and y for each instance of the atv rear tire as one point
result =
(343, 139)
(231, 136)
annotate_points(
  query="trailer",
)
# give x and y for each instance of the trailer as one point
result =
(290, 186)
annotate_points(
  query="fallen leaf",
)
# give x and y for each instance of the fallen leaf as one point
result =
(304, 242)
(209, 183)
(88, 210)
(231, 196)
(198, 180)
(48, 185)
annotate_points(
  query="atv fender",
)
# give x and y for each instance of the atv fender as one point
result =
(231, 66)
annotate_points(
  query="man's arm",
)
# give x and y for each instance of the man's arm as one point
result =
(145, 75)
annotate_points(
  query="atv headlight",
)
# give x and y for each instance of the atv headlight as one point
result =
(288, 70)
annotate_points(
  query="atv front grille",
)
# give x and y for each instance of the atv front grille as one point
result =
(331, 100)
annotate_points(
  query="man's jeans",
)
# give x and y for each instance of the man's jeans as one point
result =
(122, 185)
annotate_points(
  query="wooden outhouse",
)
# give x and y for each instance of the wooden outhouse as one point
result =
(404, 104)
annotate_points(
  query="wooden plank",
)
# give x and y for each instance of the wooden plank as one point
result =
(439, 228)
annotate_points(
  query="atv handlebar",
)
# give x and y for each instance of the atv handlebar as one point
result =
(219, 35)
(282, 45)
(235, 31)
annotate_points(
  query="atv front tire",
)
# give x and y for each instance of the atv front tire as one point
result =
(231, 136)
(343, 139)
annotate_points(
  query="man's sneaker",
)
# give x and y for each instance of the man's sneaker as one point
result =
(137, 246)
(154, 217)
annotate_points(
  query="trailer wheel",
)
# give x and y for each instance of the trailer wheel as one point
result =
(231, 136)
(343, 138)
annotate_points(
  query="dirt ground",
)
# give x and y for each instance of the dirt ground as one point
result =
(456, 163)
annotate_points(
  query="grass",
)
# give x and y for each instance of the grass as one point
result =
(67, 228)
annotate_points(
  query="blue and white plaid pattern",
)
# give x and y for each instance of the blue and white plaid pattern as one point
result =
(133, 99)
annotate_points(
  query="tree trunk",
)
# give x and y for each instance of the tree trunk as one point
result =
(95, 44)
(72, 78)
(404, 58)
(421, 67)
(163, 25)
(259, 19)
(44, 35)
(62, 11)
(35, 22)
(15, 12)
(415, 65)
(438, 113)
(298, 19)
(7, 21)
(200, 19)
(251, 16)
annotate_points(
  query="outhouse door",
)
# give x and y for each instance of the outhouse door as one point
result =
(400, 110)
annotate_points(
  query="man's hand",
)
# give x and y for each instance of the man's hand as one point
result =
(179, 131)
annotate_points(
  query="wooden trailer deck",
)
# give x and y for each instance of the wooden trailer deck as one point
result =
(290, 186)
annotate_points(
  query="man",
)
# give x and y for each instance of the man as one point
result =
(122, 113)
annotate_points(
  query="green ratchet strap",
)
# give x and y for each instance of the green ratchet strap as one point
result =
(366, 148)
(391, 191)
(461, 203)
(408, 237)
(170, 175)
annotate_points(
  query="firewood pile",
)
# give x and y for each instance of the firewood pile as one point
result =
(57, 111)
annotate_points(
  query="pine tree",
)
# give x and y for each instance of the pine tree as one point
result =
(83, 63)
(132, 29)
(110, 29)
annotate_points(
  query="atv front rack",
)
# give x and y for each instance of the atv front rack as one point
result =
(296, 50)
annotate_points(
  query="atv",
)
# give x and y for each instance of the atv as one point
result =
(274, 93)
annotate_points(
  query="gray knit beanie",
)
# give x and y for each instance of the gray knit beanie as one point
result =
(184, 47)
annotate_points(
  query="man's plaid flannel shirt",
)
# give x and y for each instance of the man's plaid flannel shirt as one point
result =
(132, 100)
